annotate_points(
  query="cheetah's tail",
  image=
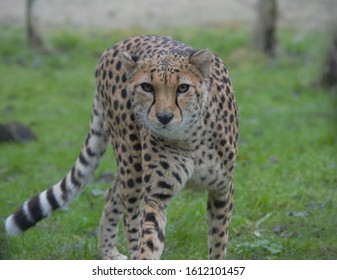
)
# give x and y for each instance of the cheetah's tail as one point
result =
(62, 193)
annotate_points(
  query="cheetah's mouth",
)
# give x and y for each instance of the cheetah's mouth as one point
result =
(169, 131)
(164, 128)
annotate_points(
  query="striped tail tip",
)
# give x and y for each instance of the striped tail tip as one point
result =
(11, 227)
(31, 212)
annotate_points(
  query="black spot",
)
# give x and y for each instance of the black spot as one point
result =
(231, 168)
(153, 143)
(130, 183)
(115, 53)
(162, 196)
(113, 89)
(231, 118)
(164, 185)
(161, 236)
(149, 244)
(151, 217)
(220, 217)
(223, 142)
(128, 46)
(132, 200)
(159, 173)
(217, 245)
(214, 230)
(138, 167)
(147, 178)
(152, 166)
(133, 230)
(124, 93)
(124, 149)
(116, 104)
(133, 137)
(110, 74)
(128, 106)
(139, 180)
(137, 147)
(164, 165)
(219, 204)
(118, 65)
(147, 157)
(177, 176)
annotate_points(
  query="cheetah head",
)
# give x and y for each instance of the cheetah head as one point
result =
(168, 90)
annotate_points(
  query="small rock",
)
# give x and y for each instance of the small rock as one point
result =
(106, 177)
(97, 192)
(274, 160)
(8, 109)
(280, 229)
(299, 214)
(16, 132)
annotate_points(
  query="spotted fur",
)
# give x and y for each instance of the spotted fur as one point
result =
(170, 115)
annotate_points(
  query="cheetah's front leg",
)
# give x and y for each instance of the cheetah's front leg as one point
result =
(152, 238)
(153, 218)
(162, 180)
(219, 211)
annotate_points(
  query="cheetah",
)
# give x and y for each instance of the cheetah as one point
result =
(169, 112)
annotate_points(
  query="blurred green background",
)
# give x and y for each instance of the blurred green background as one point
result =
(286, 176)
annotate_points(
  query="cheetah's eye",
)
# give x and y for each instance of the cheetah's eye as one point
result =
(147, 87)
(183, 88)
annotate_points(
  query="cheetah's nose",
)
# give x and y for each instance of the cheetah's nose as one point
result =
(165, 117)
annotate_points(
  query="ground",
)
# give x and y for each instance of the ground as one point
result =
(308, 14)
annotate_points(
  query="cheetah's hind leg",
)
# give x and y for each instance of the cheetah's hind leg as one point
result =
(109, 225)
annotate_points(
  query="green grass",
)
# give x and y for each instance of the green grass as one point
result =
(286, 176)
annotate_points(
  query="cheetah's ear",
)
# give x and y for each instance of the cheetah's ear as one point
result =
(129, 62)
(202, 61)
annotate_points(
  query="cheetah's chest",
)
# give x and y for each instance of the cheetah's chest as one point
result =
(207, 171)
